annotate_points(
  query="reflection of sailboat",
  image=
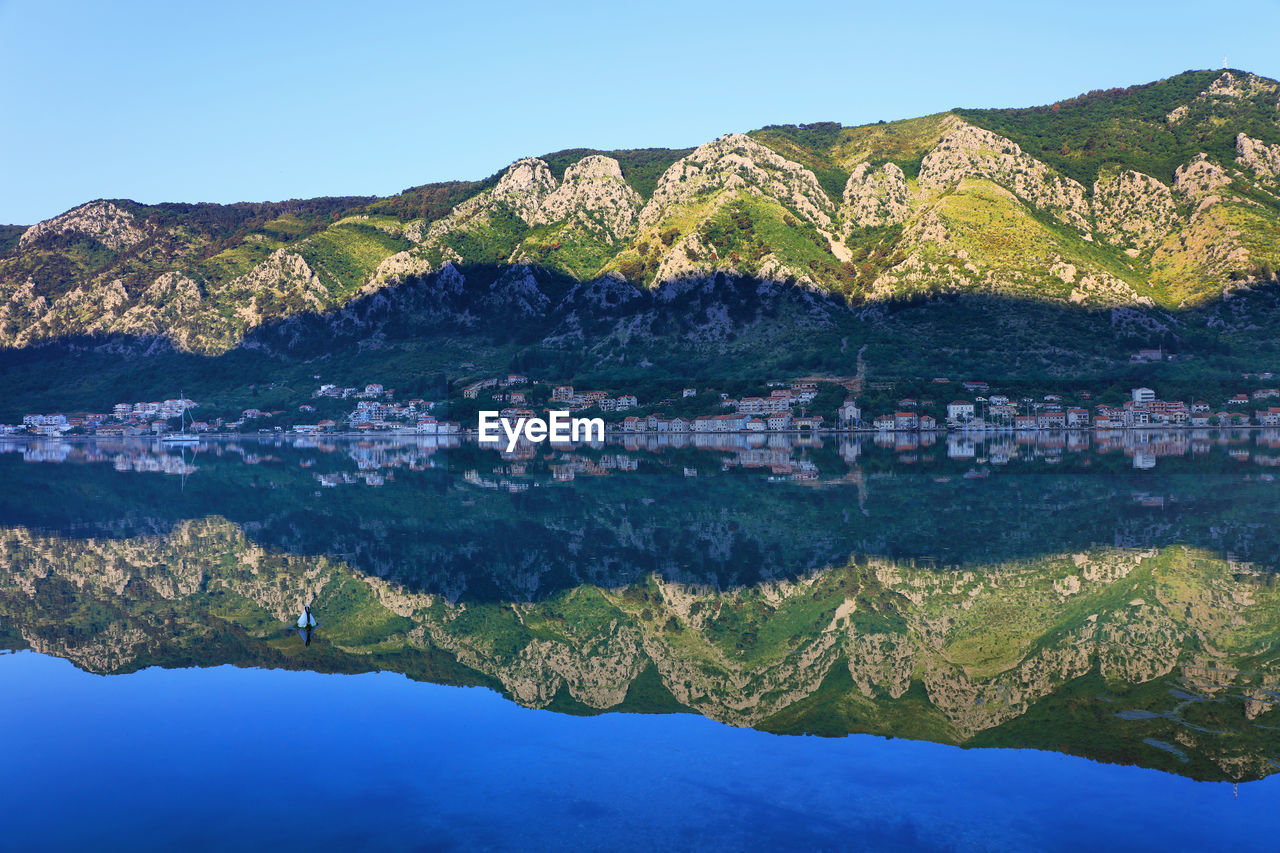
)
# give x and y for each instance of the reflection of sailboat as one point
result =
(182, 437)
(306, 623)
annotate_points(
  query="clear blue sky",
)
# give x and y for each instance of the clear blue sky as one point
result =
(225, 101)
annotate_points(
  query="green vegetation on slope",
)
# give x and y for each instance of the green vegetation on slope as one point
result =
(831, 150)
(206, 277)
(1129, 128)
(349, 252)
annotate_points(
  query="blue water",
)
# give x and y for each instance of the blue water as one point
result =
(228, 758)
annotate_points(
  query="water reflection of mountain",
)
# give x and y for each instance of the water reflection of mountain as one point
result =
(1010, 593)
(473, 524)
(1165, 657)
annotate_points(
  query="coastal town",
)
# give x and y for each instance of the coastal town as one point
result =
(797, 406)
(375, 459)
(772, 426)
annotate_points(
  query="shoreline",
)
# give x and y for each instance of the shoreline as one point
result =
(471, 434)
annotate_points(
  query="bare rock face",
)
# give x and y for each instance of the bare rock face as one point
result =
(733, 162)
(522, 189)
(880, 664)
(689, 257)
(167, 299)
(1258, 157)
(282, 272)
(517, 291)
(875, 196)
(1200, 179)
(103, 221)
(1243, 86)
(1211, 242)
(1227, 87)
(1134, 209)
(102, 306)
(397, 267)
(594, 197)
(1101, 288)
(929, 228)
(971, 152)
(524, 186)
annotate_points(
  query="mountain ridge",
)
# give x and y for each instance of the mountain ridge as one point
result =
(1045, 204)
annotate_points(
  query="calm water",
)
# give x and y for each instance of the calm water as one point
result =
(729, 644)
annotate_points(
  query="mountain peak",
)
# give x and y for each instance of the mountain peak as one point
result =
(100, 220)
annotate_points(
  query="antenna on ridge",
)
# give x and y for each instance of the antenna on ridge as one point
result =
(1224, 60)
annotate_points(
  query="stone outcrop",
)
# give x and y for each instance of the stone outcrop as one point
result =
(738, 162)
(1200, 178)
(524, 186)
(593, 197)
(400, 266)
(875, 196)
(689, 256)
(971, 152)
(168, 299)
(1133, 209)
(1261, 159)
(1230, 85)
(283, 272)
(110, 225)
(1226, 88)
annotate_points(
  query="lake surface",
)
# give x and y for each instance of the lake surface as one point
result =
(1032, 642)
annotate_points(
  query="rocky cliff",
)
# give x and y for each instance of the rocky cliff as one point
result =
(1162, 196)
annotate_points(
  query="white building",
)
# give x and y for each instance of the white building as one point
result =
(959, 412)
(54, 422)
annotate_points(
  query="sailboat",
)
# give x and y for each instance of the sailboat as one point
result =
(182, 437)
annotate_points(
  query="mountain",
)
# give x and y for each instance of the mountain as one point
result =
(1133, 208)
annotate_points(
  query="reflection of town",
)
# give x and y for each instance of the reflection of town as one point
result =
(124, 456)
(1142, 447)
(373, 461)
(370, 459)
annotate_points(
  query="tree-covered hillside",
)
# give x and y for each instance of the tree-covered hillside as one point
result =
(1154, 128)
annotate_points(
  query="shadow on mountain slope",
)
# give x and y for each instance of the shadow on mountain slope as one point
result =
(542, 322)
